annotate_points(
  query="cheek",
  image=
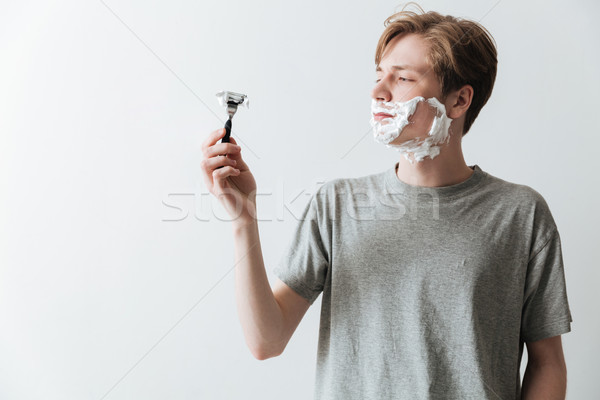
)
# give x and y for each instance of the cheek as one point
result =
(422, 118)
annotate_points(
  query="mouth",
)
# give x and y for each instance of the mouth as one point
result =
(380, 116)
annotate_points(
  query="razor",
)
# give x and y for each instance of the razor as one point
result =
(231, 100)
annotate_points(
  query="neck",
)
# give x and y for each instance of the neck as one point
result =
(447, 168)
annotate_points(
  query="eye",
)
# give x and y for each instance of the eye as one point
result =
(402, 79)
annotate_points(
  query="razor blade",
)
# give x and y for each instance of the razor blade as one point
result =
(231, 100)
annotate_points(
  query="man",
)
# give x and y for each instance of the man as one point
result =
(433, 273)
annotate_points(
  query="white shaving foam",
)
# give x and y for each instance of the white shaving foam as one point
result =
(388, 129)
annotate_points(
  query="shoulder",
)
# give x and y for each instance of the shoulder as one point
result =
(517, 194)
(335, 196)
(527, 208)
(339, 186)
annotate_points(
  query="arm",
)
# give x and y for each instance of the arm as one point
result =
(268, 317)
(546, 373)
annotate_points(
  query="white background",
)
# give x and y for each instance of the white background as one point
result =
(116, 277)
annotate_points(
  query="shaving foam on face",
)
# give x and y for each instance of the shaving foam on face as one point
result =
(388, 129)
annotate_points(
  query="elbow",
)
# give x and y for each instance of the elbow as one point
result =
(263, 353)
(262, 356)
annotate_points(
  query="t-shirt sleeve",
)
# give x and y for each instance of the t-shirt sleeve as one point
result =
(304, 263)
(546, 311)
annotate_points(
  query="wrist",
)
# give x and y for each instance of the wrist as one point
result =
(242, 223)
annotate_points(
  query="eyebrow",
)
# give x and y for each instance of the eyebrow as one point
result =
(399, 68)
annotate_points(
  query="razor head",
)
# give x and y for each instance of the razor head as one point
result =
(232, 99)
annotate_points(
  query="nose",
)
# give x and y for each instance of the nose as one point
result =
(380, 91)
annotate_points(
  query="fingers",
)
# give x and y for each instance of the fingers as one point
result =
(209, 164)
(221, 149)
(241, 164)
(222, 157)
(219, 175)
(213, 138)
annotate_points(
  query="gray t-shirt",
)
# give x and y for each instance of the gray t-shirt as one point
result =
(428, 293)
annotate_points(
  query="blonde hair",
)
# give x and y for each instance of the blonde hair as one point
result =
(460, 52)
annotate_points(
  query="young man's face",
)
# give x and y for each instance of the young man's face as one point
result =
(402, 74)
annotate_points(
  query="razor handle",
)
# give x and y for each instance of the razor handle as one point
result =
(227, 131)
(226, 137)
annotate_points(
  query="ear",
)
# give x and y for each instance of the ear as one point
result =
(458, 102)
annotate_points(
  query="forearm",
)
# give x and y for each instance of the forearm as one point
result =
(258, 311)
(548, 382)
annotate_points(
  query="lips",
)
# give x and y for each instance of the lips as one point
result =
(380, 116)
